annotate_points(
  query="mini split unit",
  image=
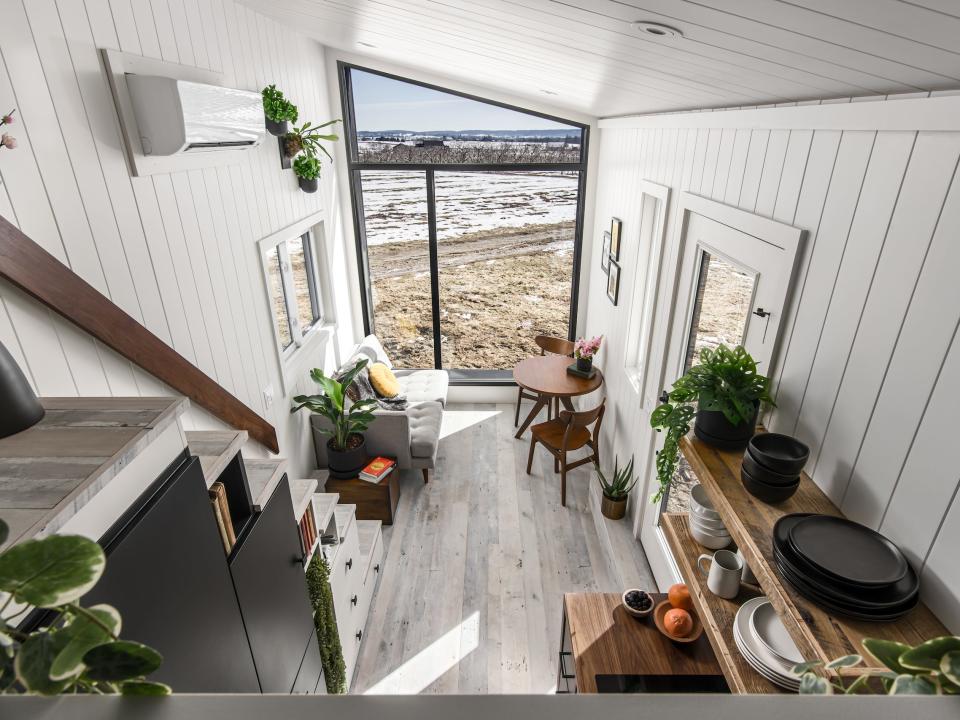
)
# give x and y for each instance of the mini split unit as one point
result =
(176, 117)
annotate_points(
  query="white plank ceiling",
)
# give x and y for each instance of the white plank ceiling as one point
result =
(585, 54)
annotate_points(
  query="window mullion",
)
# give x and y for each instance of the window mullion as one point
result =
(289, 293)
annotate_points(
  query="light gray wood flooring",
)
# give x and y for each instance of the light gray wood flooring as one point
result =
(477, 563)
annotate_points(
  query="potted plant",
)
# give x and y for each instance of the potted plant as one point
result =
(79, 651)
(307, 169)
(278, 111)
(306, 137)
(584, 350)
(724, 392)
(345, 448)
(616, 490)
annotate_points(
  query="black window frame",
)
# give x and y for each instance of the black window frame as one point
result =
(355, 168)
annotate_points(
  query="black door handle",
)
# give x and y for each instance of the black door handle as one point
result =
(353, 600)
(359, 635)
(760, 312)
(349, 563)
(376, 568)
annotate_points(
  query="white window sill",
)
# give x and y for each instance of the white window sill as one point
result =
(306, 356)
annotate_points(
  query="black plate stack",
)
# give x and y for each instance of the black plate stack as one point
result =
(844, 567)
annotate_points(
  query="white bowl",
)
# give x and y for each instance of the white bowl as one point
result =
(700, 503)
(715, 526)
(712, 542)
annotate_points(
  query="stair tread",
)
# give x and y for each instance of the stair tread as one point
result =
(301, 491)
(324, 504)
(215, 449)
(263, 476)
(367, 531)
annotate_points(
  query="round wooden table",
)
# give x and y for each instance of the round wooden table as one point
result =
(547, 376)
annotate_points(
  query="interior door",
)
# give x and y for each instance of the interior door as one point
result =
(735, 270)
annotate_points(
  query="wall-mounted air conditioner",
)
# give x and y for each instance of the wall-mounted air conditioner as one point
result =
(178, 116)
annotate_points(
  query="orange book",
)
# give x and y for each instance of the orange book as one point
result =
(377, 469)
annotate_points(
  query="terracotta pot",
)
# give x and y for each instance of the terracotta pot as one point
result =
(346, 464)
(276, 128)
(613, 509)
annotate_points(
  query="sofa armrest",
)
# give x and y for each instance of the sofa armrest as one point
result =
(388, 435)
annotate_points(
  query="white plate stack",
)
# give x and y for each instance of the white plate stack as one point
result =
(765, 643)
(706, 526)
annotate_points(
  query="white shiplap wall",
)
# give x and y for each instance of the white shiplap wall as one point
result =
(177, 252)
(868, 371)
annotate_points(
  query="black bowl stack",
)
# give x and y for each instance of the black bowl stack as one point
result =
(772, 465)
(844, 567)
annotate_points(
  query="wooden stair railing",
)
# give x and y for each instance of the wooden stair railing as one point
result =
(38, 273)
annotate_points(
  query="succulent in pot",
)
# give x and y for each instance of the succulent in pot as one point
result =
(723, 393)
(307, 169)
(278, 112)
(346, 454)
(616, 489)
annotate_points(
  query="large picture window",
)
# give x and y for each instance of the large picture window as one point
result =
(468, 216)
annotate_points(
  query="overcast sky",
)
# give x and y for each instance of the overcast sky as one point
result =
(384, 104)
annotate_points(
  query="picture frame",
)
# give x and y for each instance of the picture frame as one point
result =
(613, 281)
(615, 235)
(605, 256)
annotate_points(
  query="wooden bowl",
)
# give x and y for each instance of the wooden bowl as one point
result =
(661, 609)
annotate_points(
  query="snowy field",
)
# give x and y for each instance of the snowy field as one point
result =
(395, 203)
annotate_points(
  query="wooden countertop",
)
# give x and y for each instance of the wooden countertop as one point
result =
(50, 471)
(608, 641)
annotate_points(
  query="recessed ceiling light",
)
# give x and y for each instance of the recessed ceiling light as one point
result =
(656, 29)
(366, 44)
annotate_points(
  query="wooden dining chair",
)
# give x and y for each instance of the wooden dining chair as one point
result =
(567, 432)
(553, 346)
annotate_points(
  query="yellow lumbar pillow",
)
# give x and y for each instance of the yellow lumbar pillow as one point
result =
(384, 381)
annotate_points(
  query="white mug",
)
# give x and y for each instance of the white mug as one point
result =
(747, 575)
(723, 578)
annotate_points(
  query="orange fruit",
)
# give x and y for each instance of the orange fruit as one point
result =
(678, 622)
(679, 596)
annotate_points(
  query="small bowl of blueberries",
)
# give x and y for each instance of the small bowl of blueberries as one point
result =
(637, 603)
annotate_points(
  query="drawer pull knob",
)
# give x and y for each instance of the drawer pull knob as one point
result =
(359, 635)
(376, 568)
(353, 600)
(349, 564)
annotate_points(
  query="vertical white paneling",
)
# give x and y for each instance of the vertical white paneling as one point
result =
(166, 36)
(146, 28)
(868, 369)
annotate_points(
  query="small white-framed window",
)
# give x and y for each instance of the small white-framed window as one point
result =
(650, 249)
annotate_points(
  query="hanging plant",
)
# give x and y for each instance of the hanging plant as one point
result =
(325, 621)
(307, 137)
(277, 110)
(307, 169)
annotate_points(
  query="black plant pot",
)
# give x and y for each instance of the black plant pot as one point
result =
(308, 186)
(20, 407)
(714, 429)
(276, 128)
(346, 464)
(584, 364)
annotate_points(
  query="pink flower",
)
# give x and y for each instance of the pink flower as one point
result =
(6, 120)
(8, 141)
(584, 348)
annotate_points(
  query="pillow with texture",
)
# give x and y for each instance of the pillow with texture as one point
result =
(383, 380)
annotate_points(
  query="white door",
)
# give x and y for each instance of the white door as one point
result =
(735, 272)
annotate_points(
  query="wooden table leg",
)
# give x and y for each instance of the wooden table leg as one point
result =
(539, 405)
(568, 404)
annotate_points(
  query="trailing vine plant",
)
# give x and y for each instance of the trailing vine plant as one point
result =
(325, 621)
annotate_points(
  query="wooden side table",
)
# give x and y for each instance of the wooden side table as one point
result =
(374, 501)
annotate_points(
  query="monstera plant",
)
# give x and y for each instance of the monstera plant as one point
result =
(79, 650)
(931, 668)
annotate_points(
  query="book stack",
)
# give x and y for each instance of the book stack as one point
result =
(308, 532)
(221, 511)
(377, 469)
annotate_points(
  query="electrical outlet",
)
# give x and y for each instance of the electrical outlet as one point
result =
(268, 396)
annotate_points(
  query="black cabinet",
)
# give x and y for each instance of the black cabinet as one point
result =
(311, 669)
(271, 587)
(167, 575)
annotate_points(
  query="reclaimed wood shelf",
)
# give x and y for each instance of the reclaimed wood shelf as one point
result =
(818, 634)
(716, 613)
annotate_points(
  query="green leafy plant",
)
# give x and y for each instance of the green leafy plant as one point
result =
(277, 107)
(80, 650)
(621, 482)
(346, 421)
(726, 380)
(306, 166)
(325, 621)
(307, 137)
(930, 668)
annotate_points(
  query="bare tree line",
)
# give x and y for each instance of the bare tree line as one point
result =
(479, 153)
